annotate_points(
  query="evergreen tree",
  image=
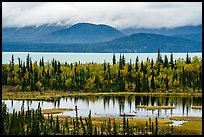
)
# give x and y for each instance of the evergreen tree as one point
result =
(165, 61)
(152, 80)
(159, 58)
(120, 63)
(171, 61)
(114, 59)
(123, 60)
(188, 59)
(167, 85)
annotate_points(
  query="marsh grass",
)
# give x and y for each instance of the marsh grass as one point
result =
(189, 128)
(56, 95)
(35, 95)
(56, 110)
(186, 118)
(127, 115)
(196, 107)
(156, 107)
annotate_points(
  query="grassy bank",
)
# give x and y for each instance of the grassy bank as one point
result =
(189, 128)
(156, 107)
(192, 127)
(56, 110)
(55, 95)
(186, 118)
(196, 107)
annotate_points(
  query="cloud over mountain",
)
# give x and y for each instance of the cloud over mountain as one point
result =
(118, 14)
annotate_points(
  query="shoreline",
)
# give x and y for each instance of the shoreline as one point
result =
(52, 95)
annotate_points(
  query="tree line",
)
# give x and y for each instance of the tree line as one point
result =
(161, 74)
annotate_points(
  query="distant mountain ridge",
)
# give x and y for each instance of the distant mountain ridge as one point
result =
(146, 42)
(78, 33)
(135, 43)
(87, 37)
(187, 32)
(86, 33)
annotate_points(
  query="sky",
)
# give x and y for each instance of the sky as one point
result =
(120, 15)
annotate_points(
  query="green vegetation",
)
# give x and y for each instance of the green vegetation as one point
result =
(149, 79)
(56, 95)
(156, 107)
(33, 122)
(56, 111)
(47, 96)
(150, 76)
(190, 128)
(196, 107)
(186, 118)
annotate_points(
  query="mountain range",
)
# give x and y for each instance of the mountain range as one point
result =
(87, 37)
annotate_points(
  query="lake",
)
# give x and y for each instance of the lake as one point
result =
(87, 57)
(113, 106)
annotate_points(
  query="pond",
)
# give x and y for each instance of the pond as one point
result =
(113, 106)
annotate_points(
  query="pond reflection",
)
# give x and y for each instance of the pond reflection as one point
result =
(113, 106)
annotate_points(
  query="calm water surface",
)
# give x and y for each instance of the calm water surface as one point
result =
(113, 106)
(87, 57)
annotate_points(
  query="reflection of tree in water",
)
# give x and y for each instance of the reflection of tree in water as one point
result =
(27, 102)
(174, 100)
(76, 100)
(130, 102)
(152, 100)
(183, 105)
(165, 112)
(171, 111)
(85, 100)
(22, 106)
(158, 103)
(113, 101)
(188, 105)
(58, 103)
(167, 101)
(137, 101)
(145, 100)
(158, 112)
(106, 100)
(12, 103)
(55, 104)
(184, 102)
(121, 102)
(197, 101)
(163, 100)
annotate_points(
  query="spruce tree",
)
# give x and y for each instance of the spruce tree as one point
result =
(114, 59)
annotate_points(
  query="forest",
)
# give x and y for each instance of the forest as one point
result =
(159, 75)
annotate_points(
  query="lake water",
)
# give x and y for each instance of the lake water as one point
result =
(87, 57)
(113, 106)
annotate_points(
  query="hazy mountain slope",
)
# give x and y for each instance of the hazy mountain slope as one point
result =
(78, 33)
(27, 34)
(142, 42)
(86, 33)
(187, 32)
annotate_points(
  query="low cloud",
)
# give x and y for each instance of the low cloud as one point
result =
(120, 15)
